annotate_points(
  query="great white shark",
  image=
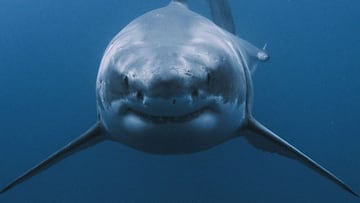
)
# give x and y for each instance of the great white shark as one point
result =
(175, 82)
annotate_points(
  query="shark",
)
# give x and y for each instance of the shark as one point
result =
(175, 82)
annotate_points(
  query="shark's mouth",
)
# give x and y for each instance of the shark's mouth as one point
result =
(169, 119)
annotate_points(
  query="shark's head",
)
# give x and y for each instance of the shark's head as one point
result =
(171, 85)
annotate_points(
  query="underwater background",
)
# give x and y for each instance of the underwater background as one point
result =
(308, 93)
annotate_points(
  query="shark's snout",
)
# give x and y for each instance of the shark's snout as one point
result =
(168, 86)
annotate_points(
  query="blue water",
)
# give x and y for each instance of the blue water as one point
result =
(308, 93)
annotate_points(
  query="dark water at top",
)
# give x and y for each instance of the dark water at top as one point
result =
(308, 93)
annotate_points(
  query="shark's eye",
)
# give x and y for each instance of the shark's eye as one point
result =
(117, 85)
(195, 93)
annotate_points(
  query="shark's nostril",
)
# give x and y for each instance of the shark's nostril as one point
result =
(208, 79)
(126, 82)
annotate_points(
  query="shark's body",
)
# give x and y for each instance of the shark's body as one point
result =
(174, 82)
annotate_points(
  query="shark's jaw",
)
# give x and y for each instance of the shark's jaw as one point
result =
(168, 119)
(161, 127)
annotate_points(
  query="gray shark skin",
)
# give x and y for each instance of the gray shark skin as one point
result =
(175, 82)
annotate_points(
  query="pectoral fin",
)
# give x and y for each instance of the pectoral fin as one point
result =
(264, 139)
(93, 136)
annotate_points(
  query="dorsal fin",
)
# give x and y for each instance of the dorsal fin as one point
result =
(180, 1)
(221, 15)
